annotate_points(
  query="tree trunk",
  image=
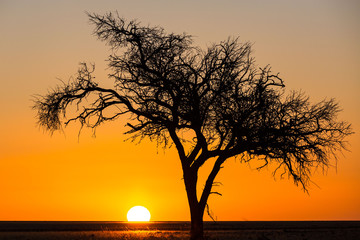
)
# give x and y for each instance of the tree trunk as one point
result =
(197, 225)
(196, 211)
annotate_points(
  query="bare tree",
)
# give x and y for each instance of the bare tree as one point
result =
(209, 104)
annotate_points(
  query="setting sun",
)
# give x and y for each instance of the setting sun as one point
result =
(138, 214)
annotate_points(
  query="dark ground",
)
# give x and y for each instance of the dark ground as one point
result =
(249, 230)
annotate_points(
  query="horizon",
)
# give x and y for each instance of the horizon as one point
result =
(175, 221)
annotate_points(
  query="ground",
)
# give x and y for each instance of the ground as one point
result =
(278, 234)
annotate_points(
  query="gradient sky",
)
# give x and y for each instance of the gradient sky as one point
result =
(313, 44)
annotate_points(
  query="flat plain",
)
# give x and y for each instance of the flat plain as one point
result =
(247, 230)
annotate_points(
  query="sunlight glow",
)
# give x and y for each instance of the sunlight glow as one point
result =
(138, 214)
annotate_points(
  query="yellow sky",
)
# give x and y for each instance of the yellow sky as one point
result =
(313, 44)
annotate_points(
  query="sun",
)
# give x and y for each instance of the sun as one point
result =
(138, 214)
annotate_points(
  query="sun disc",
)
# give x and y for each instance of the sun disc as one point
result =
(138, 214)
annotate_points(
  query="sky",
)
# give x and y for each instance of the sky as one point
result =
(314, 45)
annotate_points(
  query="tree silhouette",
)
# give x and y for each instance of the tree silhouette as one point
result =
(209, 104)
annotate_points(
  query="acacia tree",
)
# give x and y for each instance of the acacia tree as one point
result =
(209, 104)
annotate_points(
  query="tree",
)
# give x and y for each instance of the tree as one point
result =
(209, 104)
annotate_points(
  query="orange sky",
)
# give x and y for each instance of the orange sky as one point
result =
(313, 44)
